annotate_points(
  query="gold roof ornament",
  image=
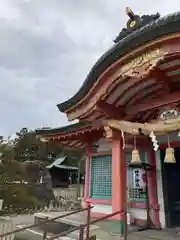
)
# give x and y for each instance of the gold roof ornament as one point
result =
(132, 22)
(143, 64)
(128, 11)
(135, 22)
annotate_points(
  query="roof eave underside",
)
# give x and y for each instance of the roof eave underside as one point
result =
(164, 26)
(76, 136)
(65, 129)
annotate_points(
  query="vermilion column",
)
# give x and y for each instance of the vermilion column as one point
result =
(87, 173)
(118, 177)
(152, 190)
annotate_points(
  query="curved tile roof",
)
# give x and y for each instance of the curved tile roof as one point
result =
(153, 30)
(64, 129)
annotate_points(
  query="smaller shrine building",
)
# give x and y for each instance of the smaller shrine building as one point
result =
(128, 112)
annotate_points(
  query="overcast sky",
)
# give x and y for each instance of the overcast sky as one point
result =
(47, 48)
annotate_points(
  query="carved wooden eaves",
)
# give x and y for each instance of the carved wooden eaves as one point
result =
(108, 132)
(142, 66)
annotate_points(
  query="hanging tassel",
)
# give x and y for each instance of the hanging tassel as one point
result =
(169, 155)
(123, 139)
(135, 155)
(154, 141)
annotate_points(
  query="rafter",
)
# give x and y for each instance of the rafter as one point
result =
(155, 103)
(110, 110)
(161, 77)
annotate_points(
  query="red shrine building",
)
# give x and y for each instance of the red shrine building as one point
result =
(128, 113)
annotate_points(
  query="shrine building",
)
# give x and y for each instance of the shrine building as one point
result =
(129, 123)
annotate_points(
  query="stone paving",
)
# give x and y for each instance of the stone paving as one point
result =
(145, 235)
(101, 232)
(22, 219)
(103, 235)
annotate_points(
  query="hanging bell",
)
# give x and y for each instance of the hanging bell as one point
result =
(135, 157)
(169, 155)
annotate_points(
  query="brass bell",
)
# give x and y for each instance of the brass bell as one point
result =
(135, 157)
(169, 155)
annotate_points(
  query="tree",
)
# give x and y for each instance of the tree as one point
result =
(6, 150)
(73, 156)
(15, 191)
(19, 151)
(28, 147)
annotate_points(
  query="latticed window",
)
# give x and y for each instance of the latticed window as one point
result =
(101, 177)
(133, 193)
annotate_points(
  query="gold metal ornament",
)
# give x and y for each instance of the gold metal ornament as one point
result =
(128, 10)
(108, 132)
(132, 24)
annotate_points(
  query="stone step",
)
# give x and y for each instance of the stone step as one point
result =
(63, 224)
(72, 220)
(36, 234)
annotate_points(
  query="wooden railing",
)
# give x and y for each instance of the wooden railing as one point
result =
(82, 227)
(45, 222)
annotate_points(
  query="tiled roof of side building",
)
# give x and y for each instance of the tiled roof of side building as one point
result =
(64, 129)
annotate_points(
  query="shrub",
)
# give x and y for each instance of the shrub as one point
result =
(17, 196)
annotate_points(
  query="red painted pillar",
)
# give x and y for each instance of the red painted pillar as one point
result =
(118, 177)
(87, 174)
(152, 190)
